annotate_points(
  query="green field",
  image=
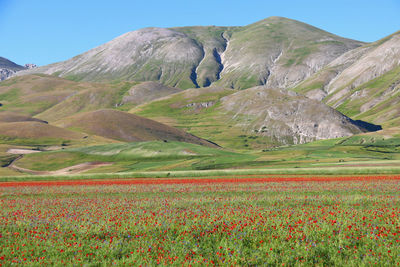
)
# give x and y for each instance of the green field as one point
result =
(342, 223)
(375, 153)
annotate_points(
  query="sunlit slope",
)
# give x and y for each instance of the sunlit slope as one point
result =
(253, 118)
(363, 83)
(277, 51)
(126, 127)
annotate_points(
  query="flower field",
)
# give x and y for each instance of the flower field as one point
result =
(228, 221)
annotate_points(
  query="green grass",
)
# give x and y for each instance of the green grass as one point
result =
(364, 154)
(11, 94)
(384, 110)
(143, 156)
(40, 142)
(5, 160)
(298, 55)
(264, 224)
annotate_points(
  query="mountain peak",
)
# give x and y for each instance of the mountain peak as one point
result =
(277, 52)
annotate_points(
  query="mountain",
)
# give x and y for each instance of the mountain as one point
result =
(251, 118)
(8, 68)
(276, 52)
(363, 83)
(144, 72)
(122, 126)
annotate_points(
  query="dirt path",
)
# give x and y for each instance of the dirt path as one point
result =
(75, 169)
(19, 151)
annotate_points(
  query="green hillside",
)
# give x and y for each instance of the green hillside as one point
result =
(143, 156)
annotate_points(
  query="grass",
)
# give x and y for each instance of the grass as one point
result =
(372, 153)
(374, 89)
(138, 156)
(34, 142)
(280, 223)
(297, 56)
(357, 155)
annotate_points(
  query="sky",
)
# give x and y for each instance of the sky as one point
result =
(47, 31)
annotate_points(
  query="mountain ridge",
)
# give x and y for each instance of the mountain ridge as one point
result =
(363, 83)
(188, 57)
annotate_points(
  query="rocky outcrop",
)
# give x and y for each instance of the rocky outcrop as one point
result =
(287, 117)
(30, 66)
(6, 73)
(9, 68)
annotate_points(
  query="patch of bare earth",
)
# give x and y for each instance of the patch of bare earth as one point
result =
(75, 169)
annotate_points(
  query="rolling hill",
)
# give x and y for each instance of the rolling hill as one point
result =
(36, 133)
(51, 98)
(122, 126)
(15, 117)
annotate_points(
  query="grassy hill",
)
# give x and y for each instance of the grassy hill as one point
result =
(122, 126)
(155, 155)
(51, 98)
(370, 153)
(15, 117)
(31, 132)
(33, 94)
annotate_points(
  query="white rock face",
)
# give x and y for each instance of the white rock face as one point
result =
(8, 68)
(286, 116)
(6, 73)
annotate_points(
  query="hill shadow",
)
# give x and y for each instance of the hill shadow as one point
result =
(367, 126)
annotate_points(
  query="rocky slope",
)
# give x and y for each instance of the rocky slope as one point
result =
(276, 52)
(259, 116)
(8, 68)
(286, 116)
(363, 83)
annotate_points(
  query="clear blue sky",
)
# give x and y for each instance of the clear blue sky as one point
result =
(47, 31)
